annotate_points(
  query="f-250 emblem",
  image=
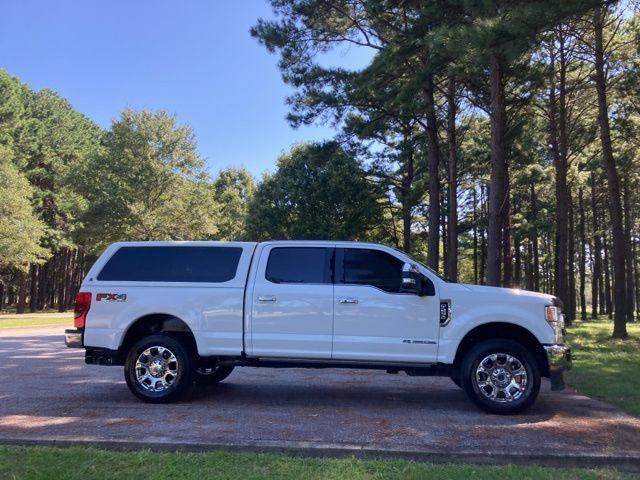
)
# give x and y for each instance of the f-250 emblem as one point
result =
(111, 297)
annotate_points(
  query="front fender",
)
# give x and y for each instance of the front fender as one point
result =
(466, 319)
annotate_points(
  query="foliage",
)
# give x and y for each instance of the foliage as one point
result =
(232, 190)
(319, 191)
(147, 183)
(20, 230)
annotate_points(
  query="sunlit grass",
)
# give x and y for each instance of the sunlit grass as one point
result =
(36, 321)
(86, 463)
(605, 368)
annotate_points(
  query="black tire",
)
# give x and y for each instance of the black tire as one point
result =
(211, 376)
(456, 379)
(509, 377)
(159, 369)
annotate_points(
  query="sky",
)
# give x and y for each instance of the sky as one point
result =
(194, 58)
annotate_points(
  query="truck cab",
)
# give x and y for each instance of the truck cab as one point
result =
(177, 312)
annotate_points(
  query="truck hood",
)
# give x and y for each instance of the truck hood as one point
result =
(496, 293)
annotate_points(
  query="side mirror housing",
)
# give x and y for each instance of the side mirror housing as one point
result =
(428, 288)
(415, 282)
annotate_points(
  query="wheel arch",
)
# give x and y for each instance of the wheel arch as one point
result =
(507, 331)
(155, 323)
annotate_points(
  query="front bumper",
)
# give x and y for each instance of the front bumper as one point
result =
(559, 359)
(73, 338)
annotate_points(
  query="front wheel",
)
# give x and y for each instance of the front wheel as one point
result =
(501, 376)
(159, 369)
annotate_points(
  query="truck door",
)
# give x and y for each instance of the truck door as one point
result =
(292, 302)
(373, 319)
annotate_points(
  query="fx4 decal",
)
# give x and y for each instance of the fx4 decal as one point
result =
(111, 297)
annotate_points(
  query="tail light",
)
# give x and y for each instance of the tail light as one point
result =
(81, 308)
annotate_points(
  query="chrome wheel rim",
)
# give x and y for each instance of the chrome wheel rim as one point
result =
(501, 378)
(156, 369)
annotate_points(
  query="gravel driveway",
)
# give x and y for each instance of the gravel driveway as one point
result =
(48, 394)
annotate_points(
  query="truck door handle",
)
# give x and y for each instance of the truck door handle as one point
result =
(266, 299)
(348, 300)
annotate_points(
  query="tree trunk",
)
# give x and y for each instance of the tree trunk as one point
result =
(22, 292)
(498, 190)
(445, 249)
(608, 302)
(452, 269)
(571, 294)
(483, 236)
(557, 126)
(628, 253)
(475, 236)
(613, 183)
(42, 286)
(518, 262)
(596, 280)
(433, 153)
(393, 221)
(636, 274)
(534, 237)
(583, 256)
(33, 289)
(507, 250)
(62, 276)
(407, 185)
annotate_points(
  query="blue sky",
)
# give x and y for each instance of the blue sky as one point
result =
(195, 59)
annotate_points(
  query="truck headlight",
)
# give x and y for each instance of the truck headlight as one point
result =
(553, 315)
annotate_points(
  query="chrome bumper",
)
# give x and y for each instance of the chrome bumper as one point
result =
(73, 338)
(559, 359)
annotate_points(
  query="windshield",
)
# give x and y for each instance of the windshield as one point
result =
(441, 277)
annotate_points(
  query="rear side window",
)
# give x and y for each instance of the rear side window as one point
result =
(299, 265)
(172, 264)
(376, 268)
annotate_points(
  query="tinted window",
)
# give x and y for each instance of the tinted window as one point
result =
(372, 267)
(172, 264)
(299, 265)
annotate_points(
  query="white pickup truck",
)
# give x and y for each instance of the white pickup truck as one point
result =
(177, 312)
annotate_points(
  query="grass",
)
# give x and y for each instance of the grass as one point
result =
(88, 463)
(36, 321)
(12, 311)
(604, 368)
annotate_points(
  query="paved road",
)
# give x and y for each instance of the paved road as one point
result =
(48, 393)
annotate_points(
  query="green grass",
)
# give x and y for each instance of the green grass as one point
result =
(88, 463)
(36, 321)
(605, 368)
(12, 311)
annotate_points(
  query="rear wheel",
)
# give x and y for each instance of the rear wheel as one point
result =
(159, 369)
(213, 375)
(501, 376)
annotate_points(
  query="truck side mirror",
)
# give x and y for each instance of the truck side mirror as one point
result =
(415, 282)
(428, 288)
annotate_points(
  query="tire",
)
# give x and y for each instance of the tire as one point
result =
(159, 369)
(211, 376)
(456, 380)
(501, 377)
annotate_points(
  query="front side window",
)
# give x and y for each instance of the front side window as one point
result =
(172, 264)
(299, 265)
(362, 266)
